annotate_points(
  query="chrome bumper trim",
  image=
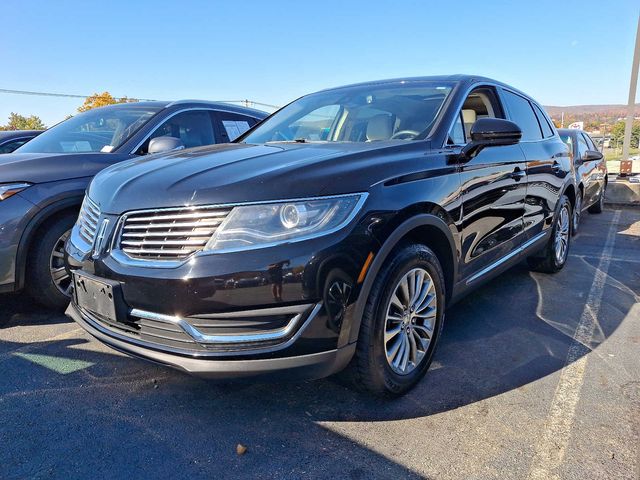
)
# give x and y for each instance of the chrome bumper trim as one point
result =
(265, 336)
(255, 348)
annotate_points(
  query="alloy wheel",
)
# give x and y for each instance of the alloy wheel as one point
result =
(410, 321)
(59, 275)
(562, 235)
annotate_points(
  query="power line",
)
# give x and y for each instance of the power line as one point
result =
(65, 95)
(70, 95)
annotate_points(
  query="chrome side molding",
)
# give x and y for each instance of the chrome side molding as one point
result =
(506, 258)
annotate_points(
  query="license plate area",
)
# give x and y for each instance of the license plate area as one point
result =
(99, 296)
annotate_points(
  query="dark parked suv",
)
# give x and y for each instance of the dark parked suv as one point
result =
(11, 140)
(590, 171)
(333, 233)
(43, 182)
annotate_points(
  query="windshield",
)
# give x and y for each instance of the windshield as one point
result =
(399, 111)
(99, 130)
(566, 139)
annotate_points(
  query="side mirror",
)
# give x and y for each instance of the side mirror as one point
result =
(590, 155)
(164, 144)
(491, 132)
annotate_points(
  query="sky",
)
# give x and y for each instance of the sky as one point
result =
(559, 52)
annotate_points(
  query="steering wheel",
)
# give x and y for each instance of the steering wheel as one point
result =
(402, 134)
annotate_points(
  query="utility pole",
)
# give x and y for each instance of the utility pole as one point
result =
(632, 96)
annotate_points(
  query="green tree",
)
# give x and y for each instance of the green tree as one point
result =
(617, 133)
(20, 122)
(101, 100)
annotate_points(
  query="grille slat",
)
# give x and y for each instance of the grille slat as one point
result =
(171, 234)
(164, 253)
(182, 217)
(204, 223)
(88, 220)
(144, 243)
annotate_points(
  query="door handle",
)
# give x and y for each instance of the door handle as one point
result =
(517, 174)
(555, 167)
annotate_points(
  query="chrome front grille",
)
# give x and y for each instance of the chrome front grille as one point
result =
(88, 220)
(168, 234)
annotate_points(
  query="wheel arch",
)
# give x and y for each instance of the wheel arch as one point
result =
(44, 216)
(570, 192)
(427, 229)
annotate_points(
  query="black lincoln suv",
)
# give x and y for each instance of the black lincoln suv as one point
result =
(42, 183)
(333, 234)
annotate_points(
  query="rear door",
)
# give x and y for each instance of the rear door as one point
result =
(493, 190)
(547, 161)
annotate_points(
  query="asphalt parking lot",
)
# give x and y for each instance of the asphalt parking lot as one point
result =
(536, 377)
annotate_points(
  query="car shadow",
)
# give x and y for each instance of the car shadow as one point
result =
(20, 309)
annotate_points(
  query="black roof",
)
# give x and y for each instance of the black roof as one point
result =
(458, 78)
(191, 103)
(9, 134)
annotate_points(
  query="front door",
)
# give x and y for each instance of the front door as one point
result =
(493, 186)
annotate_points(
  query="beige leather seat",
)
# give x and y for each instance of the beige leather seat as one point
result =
(469, 117)
(379, 127)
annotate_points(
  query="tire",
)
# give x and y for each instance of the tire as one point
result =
(369, 369)
(577, 214)
(598, 207)
(552, 258)
(39, 282)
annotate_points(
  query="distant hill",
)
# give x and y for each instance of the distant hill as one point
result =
(582, 109)
(592, 115)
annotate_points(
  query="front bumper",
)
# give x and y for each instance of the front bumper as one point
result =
(265, 312)
(309, 366)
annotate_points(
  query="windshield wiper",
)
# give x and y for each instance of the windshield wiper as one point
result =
(297, 140)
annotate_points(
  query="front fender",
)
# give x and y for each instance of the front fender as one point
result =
(50, 199)
(394, 239)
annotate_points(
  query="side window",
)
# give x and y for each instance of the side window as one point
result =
(193, 127)
(582, 145)
(482, 102)
(232, 125)
(523, 115)
(456, 136)
(590, 144)
(544, 123)
(11, 146)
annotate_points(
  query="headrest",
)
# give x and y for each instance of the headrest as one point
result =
(379, 127)
(468, 116)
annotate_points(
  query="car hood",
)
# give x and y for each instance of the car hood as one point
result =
(232, 173)
(51, 167)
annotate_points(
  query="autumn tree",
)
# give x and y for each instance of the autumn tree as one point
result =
(101, 100)
(20, 122)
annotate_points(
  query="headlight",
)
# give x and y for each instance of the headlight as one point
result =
(9, 189)
(255, 226)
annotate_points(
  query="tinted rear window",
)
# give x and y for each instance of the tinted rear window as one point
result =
(544, 123)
